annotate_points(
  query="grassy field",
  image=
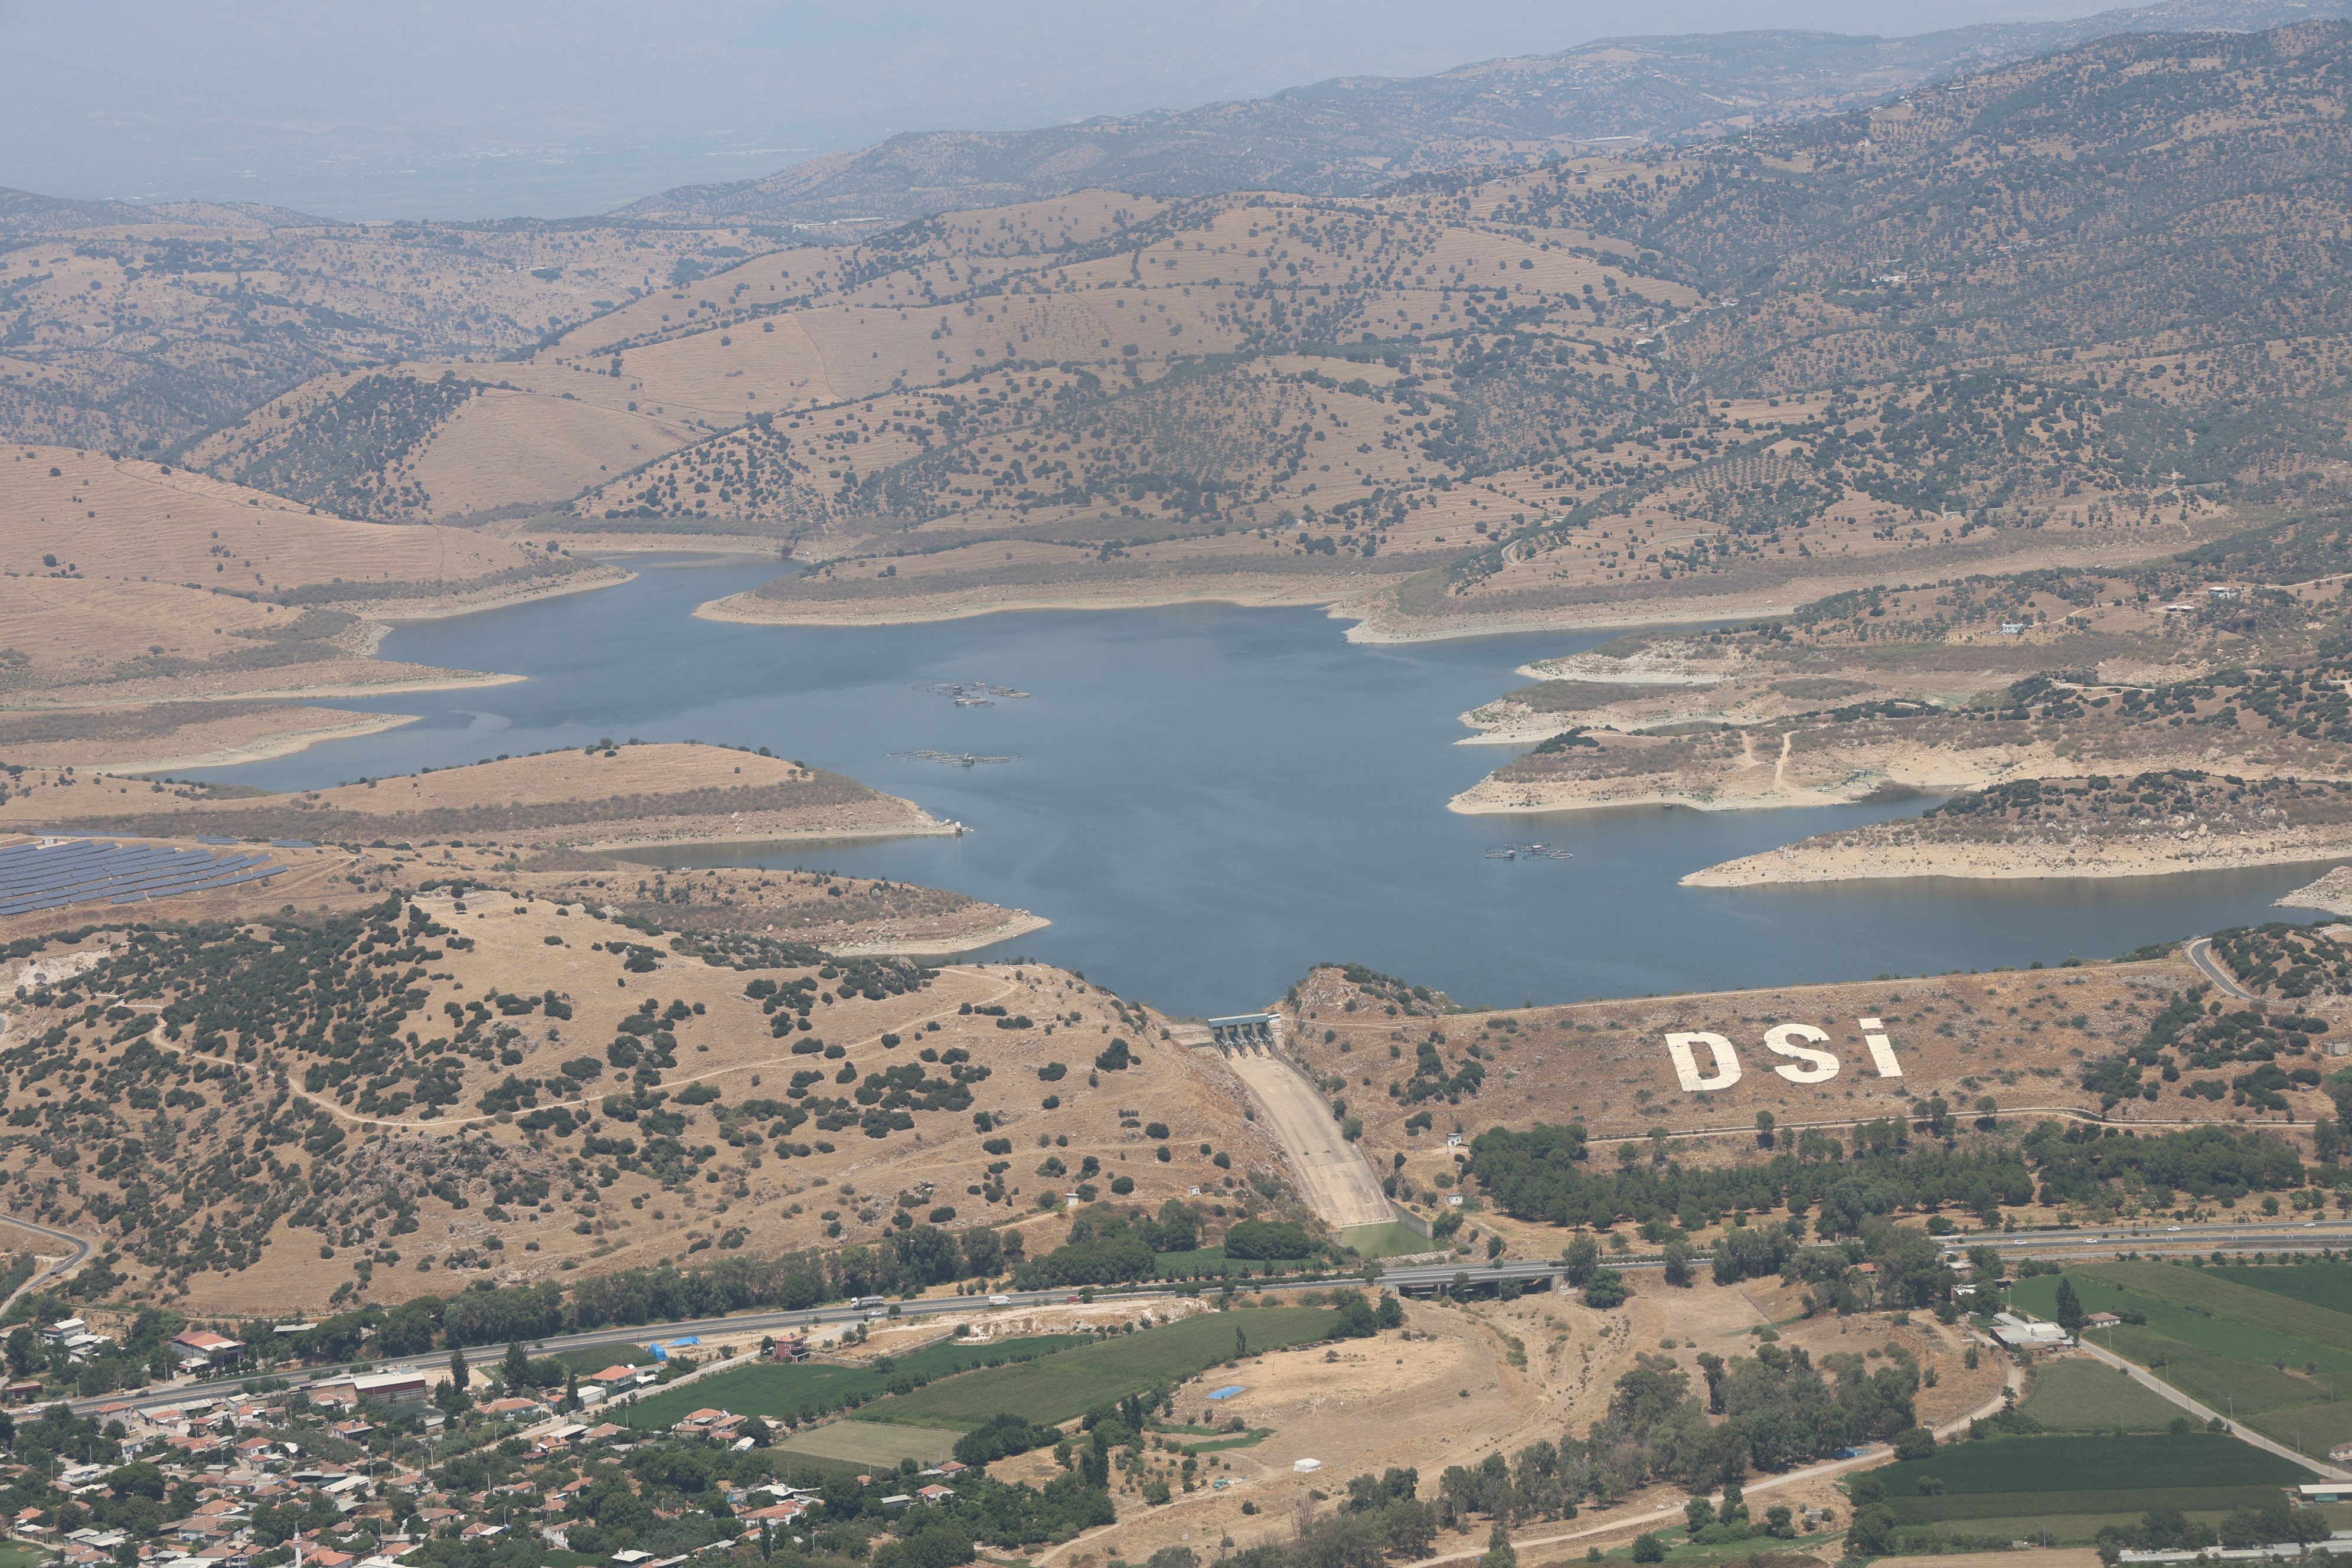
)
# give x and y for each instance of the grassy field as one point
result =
(1060, 1386)
(22, 1554)
(2009, 1477)
(2312, 1428)
(2085, 1395)
(780, 1388)
(1386, 1240)
(871, 1444)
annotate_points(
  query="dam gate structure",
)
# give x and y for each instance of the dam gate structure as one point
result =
(1243, 1031)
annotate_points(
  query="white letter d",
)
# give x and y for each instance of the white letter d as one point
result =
(1726, 1064)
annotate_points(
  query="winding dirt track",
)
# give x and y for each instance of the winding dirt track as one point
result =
(1333, 1175)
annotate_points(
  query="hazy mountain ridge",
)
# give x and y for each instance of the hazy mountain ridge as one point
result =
(24, 213)
(1350, 135)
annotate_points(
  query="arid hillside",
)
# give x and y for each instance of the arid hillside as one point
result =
(1352, 136)
(2131, 1043)
(613, 796)
(133, 329)
(2053, 312)
(562, 986)
(152, 618)
(265, 1121)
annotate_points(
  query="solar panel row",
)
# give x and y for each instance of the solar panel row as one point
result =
(85, 871)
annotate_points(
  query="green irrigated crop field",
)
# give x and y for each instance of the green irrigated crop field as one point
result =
(596, 1358)
(812, 1388)
(1057, 1388)
(2085, 1396)
(871, 1445)
(2326, 1283)
(2311, 1429)
(2273, 1354)
(2011, 1476)
(2212, 1291)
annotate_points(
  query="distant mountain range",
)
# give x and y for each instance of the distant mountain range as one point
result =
(24, 212)
(1354, 134)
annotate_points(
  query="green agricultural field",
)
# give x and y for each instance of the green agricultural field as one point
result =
(2208, 1322)
(2195, 1339)
(2325, 1283)
(2312, 1428)
(770, 1389)
(2085, 1396)
(2212, 1291)
(596, 1358)
(2128, 1500)
(2004, 1477)
(1057, 1388)
(2220, 1382)
(871, 1445)
(1391, 1240)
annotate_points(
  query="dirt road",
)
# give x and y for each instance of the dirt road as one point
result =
(1333, 1175)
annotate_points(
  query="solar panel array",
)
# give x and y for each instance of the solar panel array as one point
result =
(89, 871)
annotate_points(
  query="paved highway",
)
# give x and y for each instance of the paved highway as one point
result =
(1529, 1273)
(2276, 1233)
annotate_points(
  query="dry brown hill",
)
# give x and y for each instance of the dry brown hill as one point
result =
(137, 329)
(590, 1098)
(2014, 1046)
(1356, 135)
(135, 596)
(620, 795)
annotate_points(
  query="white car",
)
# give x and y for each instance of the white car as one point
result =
(2170, 1228)
(999, 1301)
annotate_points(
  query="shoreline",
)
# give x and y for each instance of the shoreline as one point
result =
(1022, 924)
(1783, 799)
(718, 609)
(1363, 625)
(440, 610)
(1567, 621)
(448, 680)
(285, 744)
(1794, 865)
(926, 826)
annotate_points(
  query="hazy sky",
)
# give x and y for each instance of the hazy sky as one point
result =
(419, 107)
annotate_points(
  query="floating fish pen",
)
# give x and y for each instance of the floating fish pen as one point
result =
(954, 759)
(1527, 852)
(971, 693)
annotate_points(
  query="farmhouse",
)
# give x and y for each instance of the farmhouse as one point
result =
(201, 1348)
(2019, 1334)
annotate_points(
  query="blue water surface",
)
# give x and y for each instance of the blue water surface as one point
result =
(1209, 799)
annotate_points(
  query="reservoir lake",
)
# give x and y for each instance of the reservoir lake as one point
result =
(1207, 800)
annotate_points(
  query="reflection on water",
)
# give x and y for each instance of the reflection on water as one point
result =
(1205, 800)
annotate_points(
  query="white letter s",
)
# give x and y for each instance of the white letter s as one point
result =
(1819, 1066)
